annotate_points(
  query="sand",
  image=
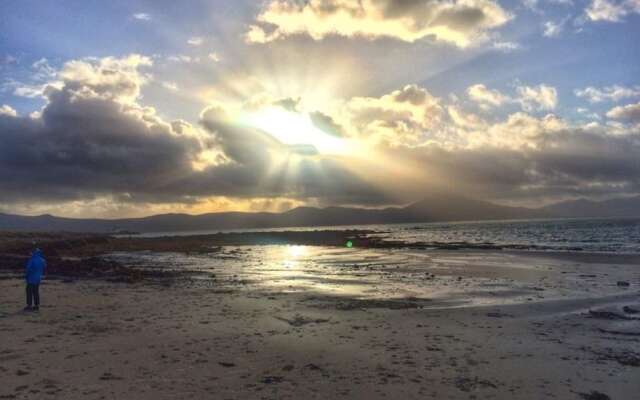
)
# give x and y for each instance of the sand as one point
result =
(291, 322)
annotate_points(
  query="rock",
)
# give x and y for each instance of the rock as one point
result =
(226, 364)
(468, 384)
(630, 310)
(313, 367)
(624, 333)
(300, 320)
(608, 315)
(626, 358)
(499, 315)
(108, 376)
(272, 379)
(594, 395)
(623, 283)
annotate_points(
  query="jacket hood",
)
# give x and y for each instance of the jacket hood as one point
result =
(37, 253)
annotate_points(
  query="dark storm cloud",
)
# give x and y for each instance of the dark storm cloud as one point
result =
(93, 139)
(82, 148)
(567, 163)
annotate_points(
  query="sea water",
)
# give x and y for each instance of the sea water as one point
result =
(610, 235)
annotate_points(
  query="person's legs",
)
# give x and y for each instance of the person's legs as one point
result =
(36, 296)
(29, 296)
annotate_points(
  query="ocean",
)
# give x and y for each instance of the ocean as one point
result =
(610, 235)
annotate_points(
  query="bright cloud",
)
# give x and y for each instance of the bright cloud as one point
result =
(531, 98)
(142, 16)
(482, 94)
(630, 112)
(460, 22)
(183, 58)
(611, 11)
(506, 47)
(608, 93)
(8, 110)
(170, 86)
(403, 116)
(195, 41)
(112, 78)
(554, 29)
(541, 97)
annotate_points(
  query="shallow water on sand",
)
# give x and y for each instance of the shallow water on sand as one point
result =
(435, 278)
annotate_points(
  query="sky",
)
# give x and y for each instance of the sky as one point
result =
(133, 108)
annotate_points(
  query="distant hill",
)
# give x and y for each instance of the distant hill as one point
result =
(448, 207)
(620, 207)
(433, 208)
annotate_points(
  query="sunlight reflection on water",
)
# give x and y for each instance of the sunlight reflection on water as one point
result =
(468, 278)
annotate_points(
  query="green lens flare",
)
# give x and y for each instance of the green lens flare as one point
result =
(349, 244)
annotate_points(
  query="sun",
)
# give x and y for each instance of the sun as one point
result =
(296, 129)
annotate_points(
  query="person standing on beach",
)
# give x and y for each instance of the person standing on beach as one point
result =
(33, 275)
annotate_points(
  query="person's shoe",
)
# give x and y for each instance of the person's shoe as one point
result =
(36, 308)
(27, 308)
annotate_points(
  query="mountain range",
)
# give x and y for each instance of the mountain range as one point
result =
(433, 208)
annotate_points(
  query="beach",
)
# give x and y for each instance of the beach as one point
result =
(286, 320)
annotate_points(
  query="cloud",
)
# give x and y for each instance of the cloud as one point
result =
(95, 143)
(526, 158)
(460, 22)
(195, 41)
(531, 98)
(7, 110)
(256, 164)
(30, 91)
(326, 124)
(8, 60)
(481, 94)
(111, 78)
(43, 74)
(554, 29)
(611, 11)
(142, 16)
(43, 71)
(183, 58)
(522, 157)
(506, 47)
(608, 93)
(630, 112)
(541, 97)
(465, 120)
(94, 140)
(170, 86)
(401, 117)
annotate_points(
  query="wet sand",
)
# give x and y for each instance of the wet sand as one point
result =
(278, 322)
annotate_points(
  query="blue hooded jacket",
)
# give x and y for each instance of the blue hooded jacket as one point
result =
(35, 267)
